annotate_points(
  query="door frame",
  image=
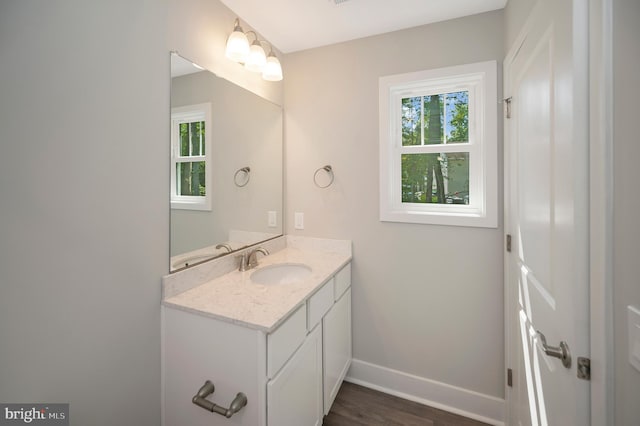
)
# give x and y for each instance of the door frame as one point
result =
(601, 209)
(600, 83)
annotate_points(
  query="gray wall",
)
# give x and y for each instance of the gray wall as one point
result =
(515, 15)
(84, 211)
(626, 246)
(425, 298)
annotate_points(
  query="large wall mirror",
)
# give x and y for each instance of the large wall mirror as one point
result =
(226, 166)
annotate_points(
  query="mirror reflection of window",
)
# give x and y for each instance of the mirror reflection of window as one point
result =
(190, 149)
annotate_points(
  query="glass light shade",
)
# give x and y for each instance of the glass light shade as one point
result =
(272, 69)
(257, 59)
(237, 46)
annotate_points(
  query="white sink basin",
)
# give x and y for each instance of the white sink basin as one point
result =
(281, 273)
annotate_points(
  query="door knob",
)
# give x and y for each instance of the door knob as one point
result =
(561, 352)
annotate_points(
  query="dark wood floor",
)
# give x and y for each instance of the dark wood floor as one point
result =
(359, 406)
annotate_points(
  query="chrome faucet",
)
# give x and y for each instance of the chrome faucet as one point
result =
(249, 259)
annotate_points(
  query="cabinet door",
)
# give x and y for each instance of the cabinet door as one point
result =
(294, 396)
(337, 347)
(196, 349)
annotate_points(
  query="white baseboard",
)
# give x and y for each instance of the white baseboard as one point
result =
(474, 405)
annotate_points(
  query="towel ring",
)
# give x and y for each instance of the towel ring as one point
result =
(329, 171)
(242, 177)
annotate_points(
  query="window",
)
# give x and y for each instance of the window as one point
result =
(190, 157)
(438, 146)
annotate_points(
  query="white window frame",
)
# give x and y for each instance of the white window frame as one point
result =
(190, 113)
(480, 80)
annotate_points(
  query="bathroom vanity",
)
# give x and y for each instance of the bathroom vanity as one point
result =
(280, 334)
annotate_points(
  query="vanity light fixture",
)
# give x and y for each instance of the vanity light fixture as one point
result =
(253, 56)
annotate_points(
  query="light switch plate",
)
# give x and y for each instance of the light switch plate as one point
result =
(272, 219)
(634, 336)
(298, 221)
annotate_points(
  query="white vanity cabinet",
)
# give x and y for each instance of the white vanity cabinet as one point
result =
(290, 375)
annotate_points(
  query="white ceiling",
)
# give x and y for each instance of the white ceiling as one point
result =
(293, 25)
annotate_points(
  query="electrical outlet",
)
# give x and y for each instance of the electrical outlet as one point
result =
(298, 222)
(272, 219)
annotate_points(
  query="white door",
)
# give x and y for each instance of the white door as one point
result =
(546, 175)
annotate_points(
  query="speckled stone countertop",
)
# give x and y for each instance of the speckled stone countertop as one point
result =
(235, 298)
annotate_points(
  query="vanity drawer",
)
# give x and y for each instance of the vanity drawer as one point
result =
(283, 342)
(342, 281)
(320, 303)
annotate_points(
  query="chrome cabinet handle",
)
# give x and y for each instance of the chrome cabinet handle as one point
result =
(561, 352)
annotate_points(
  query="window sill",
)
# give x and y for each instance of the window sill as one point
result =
(447, 218)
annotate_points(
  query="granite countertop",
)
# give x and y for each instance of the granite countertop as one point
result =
(235, 298)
